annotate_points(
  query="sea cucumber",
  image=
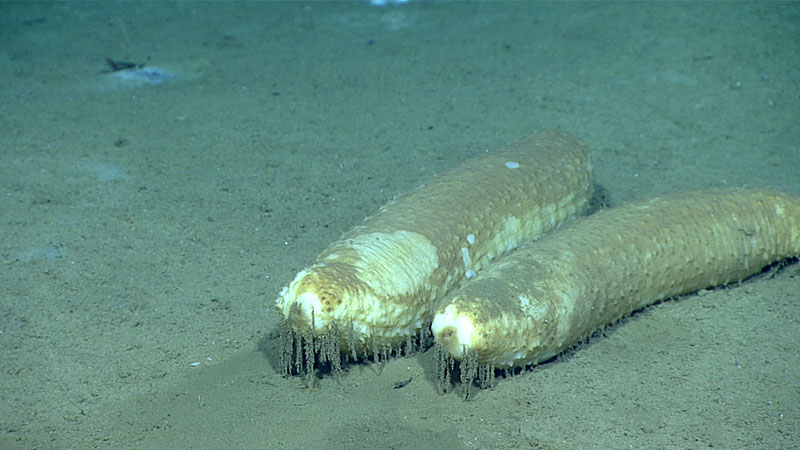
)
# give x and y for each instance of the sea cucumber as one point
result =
(373, 291)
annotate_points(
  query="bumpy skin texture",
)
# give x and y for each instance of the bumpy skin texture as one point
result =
(543, 298)
(380, 281)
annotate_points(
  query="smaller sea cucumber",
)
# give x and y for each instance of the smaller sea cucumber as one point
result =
(546, 297)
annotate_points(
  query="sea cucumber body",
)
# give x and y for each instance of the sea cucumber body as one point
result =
(543, 298)
(376, 287)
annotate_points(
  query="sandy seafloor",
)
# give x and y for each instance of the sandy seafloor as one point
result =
(146, 227)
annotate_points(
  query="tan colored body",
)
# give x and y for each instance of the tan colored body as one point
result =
(376, 287)
(541, 299)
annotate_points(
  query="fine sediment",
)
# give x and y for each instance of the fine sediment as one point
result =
(373, 291)
(545, 297)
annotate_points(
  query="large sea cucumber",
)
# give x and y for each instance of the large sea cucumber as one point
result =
(373, 291)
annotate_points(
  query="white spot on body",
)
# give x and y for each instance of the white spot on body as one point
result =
(535, 310)
(462, 326)
(465, 257)
(468, 272)
(507, 238)
(394, 264)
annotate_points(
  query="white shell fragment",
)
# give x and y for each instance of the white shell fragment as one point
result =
(512, 165)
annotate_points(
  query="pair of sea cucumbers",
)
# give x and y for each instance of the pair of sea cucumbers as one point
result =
(437, 257)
